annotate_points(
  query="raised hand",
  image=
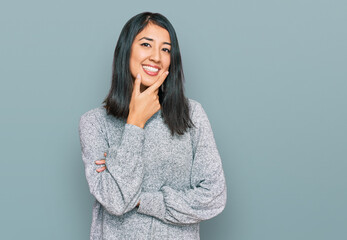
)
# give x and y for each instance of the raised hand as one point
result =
(143, 105)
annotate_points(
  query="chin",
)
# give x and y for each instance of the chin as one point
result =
(147, 81)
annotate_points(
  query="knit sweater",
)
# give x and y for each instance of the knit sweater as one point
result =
(178, 180)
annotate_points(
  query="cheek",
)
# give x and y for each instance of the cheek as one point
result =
(135, 57)
(166, 62)
(134, 64)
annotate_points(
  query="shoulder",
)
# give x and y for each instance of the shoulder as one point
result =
(98, 112)
(194, 106)
(202, 130)
(94, 116)
(196, 109)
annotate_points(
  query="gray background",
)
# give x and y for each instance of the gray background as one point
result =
(271, 76)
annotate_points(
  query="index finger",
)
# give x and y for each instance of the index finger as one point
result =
(158, 83)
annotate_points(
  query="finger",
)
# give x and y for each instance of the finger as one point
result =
(137, 84)
(100, 169)
(100, 162)
(105, 154)
(159, 82)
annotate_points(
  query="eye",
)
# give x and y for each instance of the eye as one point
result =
(145, 44)
(166, 50)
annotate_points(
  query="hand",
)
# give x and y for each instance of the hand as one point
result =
(100, 162)
(143, 105)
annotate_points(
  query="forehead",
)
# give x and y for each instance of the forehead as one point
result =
(155, 32)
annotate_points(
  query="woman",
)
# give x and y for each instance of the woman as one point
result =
(150, 156)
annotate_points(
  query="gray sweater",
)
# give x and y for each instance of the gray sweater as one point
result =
(178, 180)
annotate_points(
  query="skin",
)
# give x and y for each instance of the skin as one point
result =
(154, 52)
(145, 100)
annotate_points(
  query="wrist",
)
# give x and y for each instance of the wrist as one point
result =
(133, 121)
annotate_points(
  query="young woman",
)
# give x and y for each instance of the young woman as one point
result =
(150, 157)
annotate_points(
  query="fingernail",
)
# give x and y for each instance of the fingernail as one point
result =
(167, 72)
(138, 75)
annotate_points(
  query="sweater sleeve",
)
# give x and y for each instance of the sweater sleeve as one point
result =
(207, 194)
(118, 187)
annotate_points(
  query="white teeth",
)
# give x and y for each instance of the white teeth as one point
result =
(151, 69)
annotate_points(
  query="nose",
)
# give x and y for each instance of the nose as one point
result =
(155, 55)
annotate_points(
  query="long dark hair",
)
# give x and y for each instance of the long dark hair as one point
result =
(174, 104)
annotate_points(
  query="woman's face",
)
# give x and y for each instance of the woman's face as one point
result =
(150, 54)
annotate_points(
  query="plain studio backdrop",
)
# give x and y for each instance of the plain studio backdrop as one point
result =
(271, 75)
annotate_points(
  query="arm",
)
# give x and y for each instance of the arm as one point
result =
(206, 197)
(117, 188)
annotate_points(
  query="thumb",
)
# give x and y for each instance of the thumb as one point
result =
(137, 84)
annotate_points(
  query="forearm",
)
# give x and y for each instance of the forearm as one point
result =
(183, 207)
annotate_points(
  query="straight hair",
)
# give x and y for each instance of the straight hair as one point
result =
(174, 104)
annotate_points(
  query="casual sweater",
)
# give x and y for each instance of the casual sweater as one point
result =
(178, 180)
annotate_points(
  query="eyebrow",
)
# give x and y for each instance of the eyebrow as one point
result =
(150, 39)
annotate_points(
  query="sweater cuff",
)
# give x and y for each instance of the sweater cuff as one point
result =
(152, 204)
(133, 136)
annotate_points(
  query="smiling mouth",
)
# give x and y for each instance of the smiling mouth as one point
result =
(150, 70)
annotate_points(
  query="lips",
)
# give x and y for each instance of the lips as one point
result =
(151, 70)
